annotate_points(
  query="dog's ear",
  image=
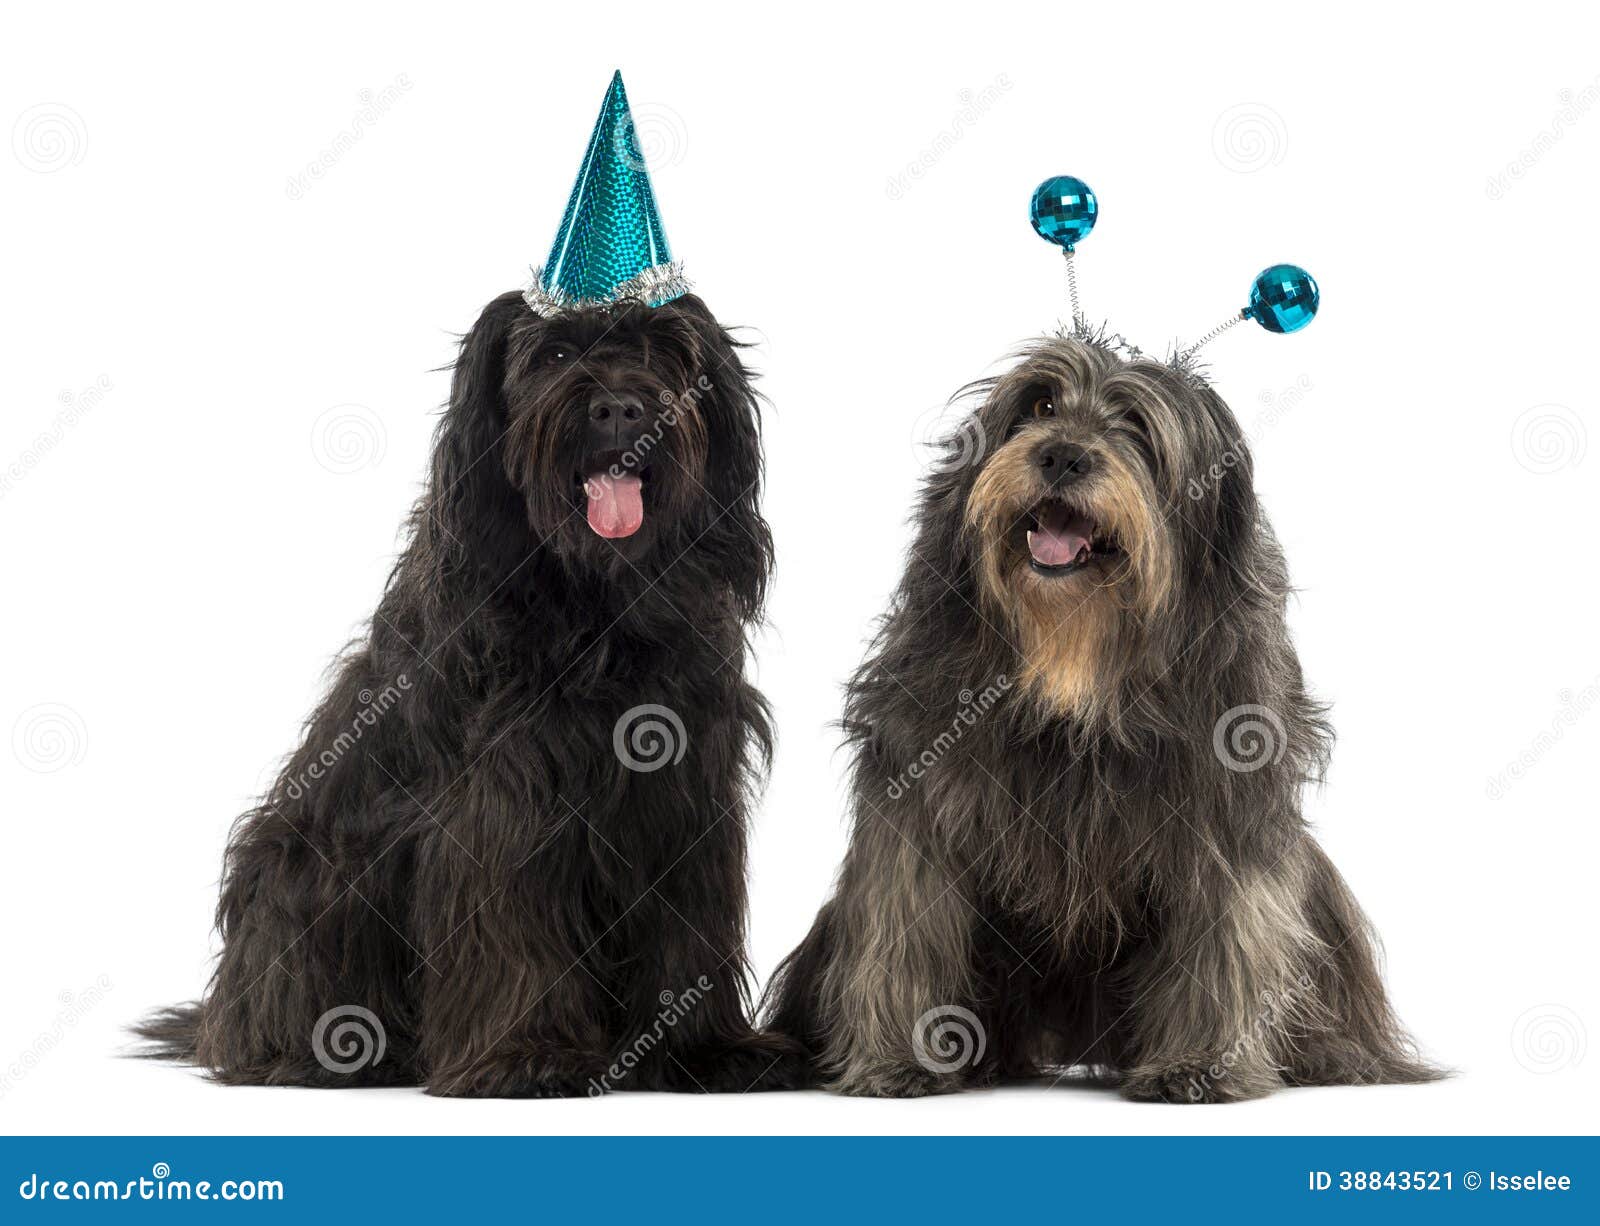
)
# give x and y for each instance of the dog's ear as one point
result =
(688, 327)
(1218, 509)
(694, 307)
(724, 389)
(474, 513)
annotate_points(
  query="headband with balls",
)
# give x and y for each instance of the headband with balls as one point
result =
(1283, 298)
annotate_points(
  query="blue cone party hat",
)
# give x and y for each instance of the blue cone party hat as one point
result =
(610, 246)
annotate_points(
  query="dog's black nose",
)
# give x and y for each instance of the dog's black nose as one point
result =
(1063, 463)
(605, 405)
(616, 420)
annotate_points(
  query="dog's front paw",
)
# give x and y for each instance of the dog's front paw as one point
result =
(759, 1062)
(747, 1065)
(547, 1074)
(894, 1081)
(1195, 1081)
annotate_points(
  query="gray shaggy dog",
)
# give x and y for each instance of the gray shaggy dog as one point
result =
(1080, 740)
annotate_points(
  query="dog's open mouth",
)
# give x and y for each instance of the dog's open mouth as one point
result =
(615, 496)
(1063, 539)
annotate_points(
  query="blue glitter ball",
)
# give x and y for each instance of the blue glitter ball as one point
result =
(1063, 210)
(1283, 299)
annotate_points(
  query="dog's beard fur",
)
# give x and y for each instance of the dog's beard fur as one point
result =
(479, 866)
(553, 370)
(1089, 640)
(1074, 862)
(1082, 635)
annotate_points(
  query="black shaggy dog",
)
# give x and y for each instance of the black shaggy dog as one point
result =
(508, 857)
(1080, 740)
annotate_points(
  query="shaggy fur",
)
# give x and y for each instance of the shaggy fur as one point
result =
(1070, 846)
(458, 845)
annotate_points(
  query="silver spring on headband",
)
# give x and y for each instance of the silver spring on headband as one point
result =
(1212, 335)
(1072, 288)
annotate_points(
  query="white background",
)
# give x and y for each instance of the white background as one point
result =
(234, 380)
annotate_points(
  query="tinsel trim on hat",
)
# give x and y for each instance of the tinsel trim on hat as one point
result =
(654, 286)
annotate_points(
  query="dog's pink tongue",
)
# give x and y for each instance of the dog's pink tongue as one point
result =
(616, 504)
(1061, 537)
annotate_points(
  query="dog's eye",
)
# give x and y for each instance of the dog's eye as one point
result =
(556, 355)
(1044, 407)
